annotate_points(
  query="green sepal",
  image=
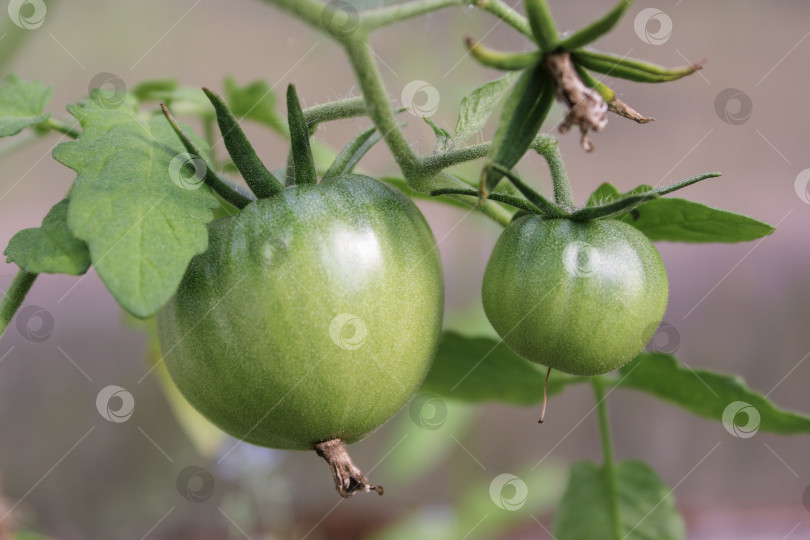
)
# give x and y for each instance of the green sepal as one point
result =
(501, 60)
(348, 158)
(523, 114)
(302, 163)
(544, 207)
(596, 29)
(542, 24)
(628, 68)
(613, 209)
(516, 202)
(228, 191)
(260, 181)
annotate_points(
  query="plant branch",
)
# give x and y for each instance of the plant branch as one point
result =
(607, 453)
(334, 110)
(13, 298)
(432, 164)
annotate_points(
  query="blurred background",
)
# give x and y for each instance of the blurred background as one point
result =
(67, 472)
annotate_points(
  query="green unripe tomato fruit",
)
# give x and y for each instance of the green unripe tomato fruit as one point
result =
(313, 315)
(582, 298)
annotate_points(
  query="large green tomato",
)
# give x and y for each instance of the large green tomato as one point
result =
(583, 298)
(313, 315)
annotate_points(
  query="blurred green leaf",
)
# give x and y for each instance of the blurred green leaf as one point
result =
(484, 369)
(154, 89)
(128, 205)
(51, 248)
(256, 102)
(645, 504)
(423, 435)
(681, 220)
(709, 394)
(477, 107)
(605, 193)
(22, 104)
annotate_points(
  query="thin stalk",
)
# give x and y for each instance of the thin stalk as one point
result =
(550, 150)
(607, 453)
(334, 110)
(432, 164)
(14, 296)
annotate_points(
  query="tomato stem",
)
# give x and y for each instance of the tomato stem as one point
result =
(14, 296)
(548, 148)
(607, 452)
(348, 478)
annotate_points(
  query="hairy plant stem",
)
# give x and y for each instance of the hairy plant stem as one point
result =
(13, 298)
(550, 150)
(607, 452)
(63, 127)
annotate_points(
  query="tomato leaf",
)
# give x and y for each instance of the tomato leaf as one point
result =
(142, 228)
(523, 114)
(22, 104)
(646, 507)
(51, 248)
(255, 102)
(483, 369)
(681, 220)
(706, 393)
(477, 107)
(606, 193)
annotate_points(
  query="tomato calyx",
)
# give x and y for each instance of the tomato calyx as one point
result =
(348, 477)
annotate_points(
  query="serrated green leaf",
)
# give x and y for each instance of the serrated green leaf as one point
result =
(477, 107)
(482, 369)
(681, 220)
(51, 248)
(255, 102)
(706, 393)
(142, 228)
(646, 506)
(22, 104)
(523, 114)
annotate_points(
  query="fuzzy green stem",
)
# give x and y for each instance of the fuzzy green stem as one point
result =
(607, 453)
(334, 110)
(438, 162)
(550, 150)
(13, 298)
(63, 127)
(376, 18)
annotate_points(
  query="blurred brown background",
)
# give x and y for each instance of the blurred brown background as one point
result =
(737, 308)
